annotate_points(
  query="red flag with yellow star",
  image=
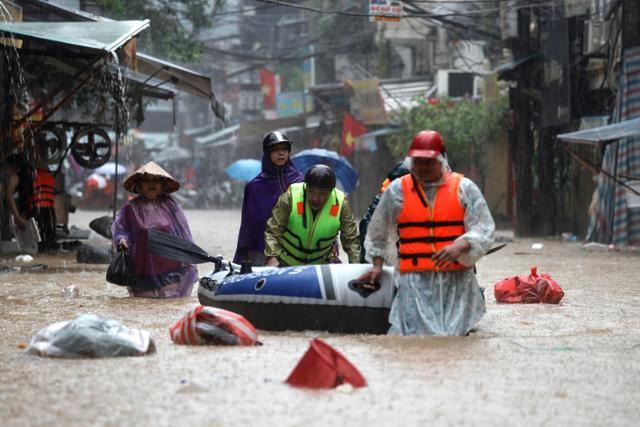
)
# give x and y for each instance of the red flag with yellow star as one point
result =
(351, 128)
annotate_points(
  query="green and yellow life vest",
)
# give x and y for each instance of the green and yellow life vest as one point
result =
(313, 243)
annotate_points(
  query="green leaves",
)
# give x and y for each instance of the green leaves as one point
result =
(465, 125)
(174, 25)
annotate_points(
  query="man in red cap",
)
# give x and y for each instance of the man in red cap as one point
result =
(443, 226)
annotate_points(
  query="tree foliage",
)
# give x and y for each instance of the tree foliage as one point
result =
(175, 25)
(466, 126)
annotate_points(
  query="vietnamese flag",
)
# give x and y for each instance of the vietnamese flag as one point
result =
(351, 128)
(268, 83)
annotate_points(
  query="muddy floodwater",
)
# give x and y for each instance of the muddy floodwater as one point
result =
(576, 363)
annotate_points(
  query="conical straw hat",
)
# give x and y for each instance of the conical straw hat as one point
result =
(152, 168)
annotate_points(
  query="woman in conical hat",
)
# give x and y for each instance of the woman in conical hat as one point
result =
(154, 208)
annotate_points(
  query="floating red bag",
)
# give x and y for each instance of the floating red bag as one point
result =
(528, 289)
(322, 366)
(210, 325)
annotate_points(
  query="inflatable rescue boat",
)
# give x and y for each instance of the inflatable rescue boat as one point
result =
(324, 297)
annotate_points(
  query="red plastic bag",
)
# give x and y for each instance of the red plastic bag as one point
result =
(210, 325)
(322, 366)
(528, 289)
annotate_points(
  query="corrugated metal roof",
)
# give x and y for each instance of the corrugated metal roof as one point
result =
(405, 95)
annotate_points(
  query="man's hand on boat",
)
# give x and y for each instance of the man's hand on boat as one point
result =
(372, 275)
(273, 262)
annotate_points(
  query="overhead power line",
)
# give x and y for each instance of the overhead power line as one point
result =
(423, 14)
(239, 11)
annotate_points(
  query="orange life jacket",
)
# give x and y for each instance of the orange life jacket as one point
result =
(424, 231)
(43, 195)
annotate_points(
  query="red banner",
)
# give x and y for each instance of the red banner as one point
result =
(351, 128)
(268, 83)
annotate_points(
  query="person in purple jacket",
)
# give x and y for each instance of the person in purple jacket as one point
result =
(261, 194)
(154, 208)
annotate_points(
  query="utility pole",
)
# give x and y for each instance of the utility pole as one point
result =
(5, 144)
(522, 140)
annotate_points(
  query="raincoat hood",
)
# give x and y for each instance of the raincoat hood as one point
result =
(260, 195)
(283, 175)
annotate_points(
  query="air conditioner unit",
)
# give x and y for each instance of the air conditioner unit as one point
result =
(594, 37)
(456, 84)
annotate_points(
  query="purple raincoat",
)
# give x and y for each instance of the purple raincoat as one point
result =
(156, 277)
(260, 195)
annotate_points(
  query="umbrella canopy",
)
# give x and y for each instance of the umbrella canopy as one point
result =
(172, 153)
(109, 169)
(244, 169)
(346, 174)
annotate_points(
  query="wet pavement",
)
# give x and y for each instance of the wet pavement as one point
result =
(577, 363)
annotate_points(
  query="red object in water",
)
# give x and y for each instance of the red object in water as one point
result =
(211, 325)
(324, 367)
(528, 289)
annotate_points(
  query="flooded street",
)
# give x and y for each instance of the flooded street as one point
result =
(577, 363)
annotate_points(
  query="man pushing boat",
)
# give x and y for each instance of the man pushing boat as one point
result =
(443, 225)
(306, 220)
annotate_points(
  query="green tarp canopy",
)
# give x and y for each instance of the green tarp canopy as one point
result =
(95, 36)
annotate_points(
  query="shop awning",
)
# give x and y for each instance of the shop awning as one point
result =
(94, 36)
(219, 136)
(181, 78)
(603, 134)
(149, 87)
(140, 83)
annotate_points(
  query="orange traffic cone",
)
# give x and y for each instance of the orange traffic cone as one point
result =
(324, 367)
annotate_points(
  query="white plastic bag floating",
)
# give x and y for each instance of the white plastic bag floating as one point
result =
(89, 335)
